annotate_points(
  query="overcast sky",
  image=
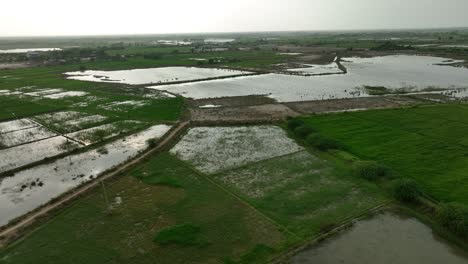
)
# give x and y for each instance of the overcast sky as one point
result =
(94, 17)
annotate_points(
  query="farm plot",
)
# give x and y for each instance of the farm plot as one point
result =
(303, 192)
(57, 117)
(213, 149)
(31, 188)
(95, 134)
(143, 205)
(155, 75)
(66, 95)
(25, 136)
(124, 105)
(19, 156)
(44, 92)
(80, 123)
(11, 126)
(431, 144)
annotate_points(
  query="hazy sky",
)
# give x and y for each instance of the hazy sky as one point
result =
(91, 17)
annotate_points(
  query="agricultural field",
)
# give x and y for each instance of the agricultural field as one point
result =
(233, 149)
(31, 188)
(161, 194)
(213, 149)
(427, 144)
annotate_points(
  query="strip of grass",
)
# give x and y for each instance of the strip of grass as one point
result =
(85, 233)
(428, 144)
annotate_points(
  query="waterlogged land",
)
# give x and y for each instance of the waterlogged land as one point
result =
(27, 190)
(396, 73)
(228, 194)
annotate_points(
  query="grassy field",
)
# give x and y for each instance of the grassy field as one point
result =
(306, 193)
(428, 144)
(163, 195)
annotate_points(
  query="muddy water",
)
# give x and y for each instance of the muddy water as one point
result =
(155, 75)
(384, 239)
(410, 73)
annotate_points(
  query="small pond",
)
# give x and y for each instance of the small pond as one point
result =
(388, 238)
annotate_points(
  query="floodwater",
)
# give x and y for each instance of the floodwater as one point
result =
(385, 239)
(411, 73)
(154, 75)
(11, 51)
(219, 40)
(29, 189)
(331, 68)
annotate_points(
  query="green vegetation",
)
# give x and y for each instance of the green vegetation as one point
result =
(86, 233)
(427, 144)
(454, 216)
(406, 190)
(306, 193)
(322, 143)
(370, 170)
(184, 235)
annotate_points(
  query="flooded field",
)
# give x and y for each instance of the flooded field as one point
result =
(396, 73)
(11, 51)
(95, 134)
(22, 155)
(31, 188)
(314, 69)
(23, 136)
(213, 149)
(385, 239)
(152, 76)
(56, 93)
(219, 40)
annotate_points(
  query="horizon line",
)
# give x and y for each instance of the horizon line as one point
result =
(236, 32)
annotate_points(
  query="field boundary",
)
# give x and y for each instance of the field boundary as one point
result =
(13, 231)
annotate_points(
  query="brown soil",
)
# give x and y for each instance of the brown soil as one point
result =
(233, 101)
(260, 113)
(309, 107)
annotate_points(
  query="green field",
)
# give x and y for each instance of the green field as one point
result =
(428, 144)
(306, 193)
(160, 194)
(171, 213)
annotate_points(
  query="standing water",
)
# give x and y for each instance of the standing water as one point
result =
(385, 239)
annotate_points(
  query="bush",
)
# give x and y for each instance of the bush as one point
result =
(303, 131)
(370, 170)
(184, 235)
(294, 123)
(152, 142)
(322, 143)
(406, 190)
(454, 216)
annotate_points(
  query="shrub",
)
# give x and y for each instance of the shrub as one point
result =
(303, 131)
(322, 143)
(152, 142)
(370, 170)
(454, 216)
(406, 190)
(294, 123)
(184, 235)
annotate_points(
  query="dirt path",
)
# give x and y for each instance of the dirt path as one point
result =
(12, 231)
